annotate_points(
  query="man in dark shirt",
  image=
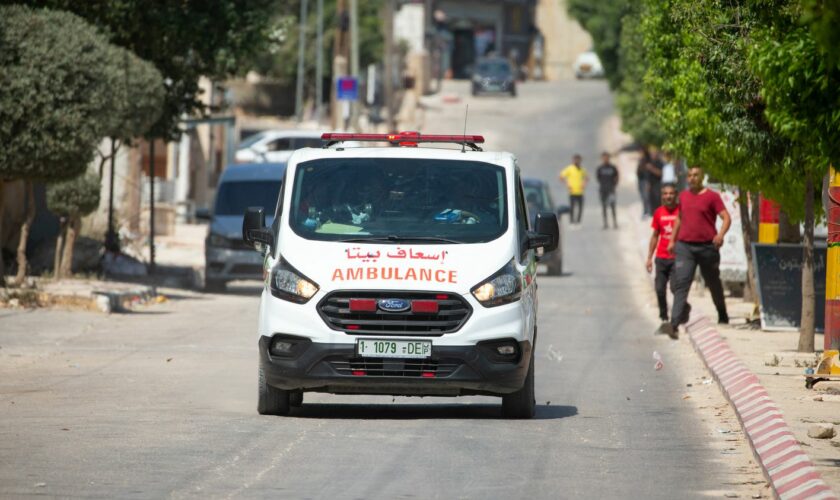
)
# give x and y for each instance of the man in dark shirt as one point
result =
(696, 242)
(607, 182)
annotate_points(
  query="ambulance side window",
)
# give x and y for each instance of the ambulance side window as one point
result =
(521, 220)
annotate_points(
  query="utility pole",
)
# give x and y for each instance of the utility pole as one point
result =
(319, 65)
(301, 43)
(339, 65)
(151, 207)
(112, 243)
(354, 59)
(388, 76)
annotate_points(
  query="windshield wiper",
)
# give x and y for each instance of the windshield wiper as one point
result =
(393, 238)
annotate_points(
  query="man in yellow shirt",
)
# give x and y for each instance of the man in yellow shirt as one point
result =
(575, 177)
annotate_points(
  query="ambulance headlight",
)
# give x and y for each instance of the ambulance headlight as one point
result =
(503, 287)
(288, 283)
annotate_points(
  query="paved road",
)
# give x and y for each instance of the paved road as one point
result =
(161, 403)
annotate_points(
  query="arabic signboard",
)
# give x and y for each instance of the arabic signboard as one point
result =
(778, 270)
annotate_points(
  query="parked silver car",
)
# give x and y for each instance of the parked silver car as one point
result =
(226, 255)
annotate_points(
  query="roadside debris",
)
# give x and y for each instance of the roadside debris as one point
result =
(553, 355)
(658, 358)
(821, 431)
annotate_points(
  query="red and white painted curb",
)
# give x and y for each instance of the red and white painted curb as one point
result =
(791, 473)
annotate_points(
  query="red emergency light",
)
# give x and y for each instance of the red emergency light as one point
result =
(405, 139)
(425, 307)
(362, 305)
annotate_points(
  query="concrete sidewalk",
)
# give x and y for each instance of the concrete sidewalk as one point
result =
(771, 356)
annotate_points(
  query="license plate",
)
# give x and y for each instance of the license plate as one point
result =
(388, 348)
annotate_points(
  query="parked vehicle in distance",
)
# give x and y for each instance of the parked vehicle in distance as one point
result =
(275, 145)
(405, 271)
(226, 256)
(539, 199)
(493, 74)
(588, 65)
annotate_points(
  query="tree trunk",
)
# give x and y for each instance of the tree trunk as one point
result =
(788, 231)
(2, 242)
(73, 225)
(59, 249)
(749, 237)
(806, 325)
(23, 264)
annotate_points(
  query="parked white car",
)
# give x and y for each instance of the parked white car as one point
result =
(588, 65)
(276, 146)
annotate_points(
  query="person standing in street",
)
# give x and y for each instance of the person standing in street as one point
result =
(642, 179)
(607, 175)
(663, 227)
(696, 242)
(575, 177)
(654, 169)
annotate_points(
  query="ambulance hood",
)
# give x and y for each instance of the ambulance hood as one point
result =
(405, 266)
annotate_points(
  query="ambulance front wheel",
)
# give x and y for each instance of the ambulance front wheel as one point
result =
(522, 403)
(271, 400)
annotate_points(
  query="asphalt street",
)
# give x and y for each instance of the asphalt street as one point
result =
(162, 402)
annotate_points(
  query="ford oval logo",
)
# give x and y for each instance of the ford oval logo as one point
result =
(394, 305)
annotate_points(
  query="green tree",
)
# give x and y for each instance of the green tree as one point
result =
(55, 98)
(138, 99)
(71, 200)
(800, 78)
(184, 40)
(633, 99)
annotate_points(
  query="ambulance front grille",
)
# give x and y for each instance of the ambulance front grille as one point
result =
(453, 312)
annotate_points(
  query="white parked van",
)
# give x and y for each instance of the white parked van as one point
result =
(400, 271)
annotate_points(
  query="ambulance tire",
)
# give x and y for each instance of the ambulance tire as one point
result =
(296, 399)
(270, 400)
(522, 403)
(555, 268)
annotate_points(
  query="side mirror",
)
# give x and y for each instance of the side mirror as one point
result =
(547, 235)
(562, 210)
(254, 231)
(202, 214)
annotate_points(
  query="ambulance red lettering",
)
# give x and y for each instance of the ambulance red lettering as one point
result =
(411, 274)
(440, 276)
(354, 274)
(372, 273)
(337, 276)
(425, 275)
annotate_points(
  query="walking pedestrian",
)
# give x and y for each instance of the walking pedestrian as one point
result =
(607, 176)
(575, 177)
(642, 180)
(696, 242)
(654, 168)
(663, 227)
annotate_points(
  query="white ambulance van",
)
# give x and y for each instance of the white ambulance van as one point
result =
(402, 270)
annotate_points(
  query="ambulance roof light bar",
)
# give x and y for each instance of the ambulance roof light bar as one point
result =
(405, 139)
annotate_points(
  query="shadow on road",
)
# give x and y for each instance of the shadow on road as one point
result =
(421, 411)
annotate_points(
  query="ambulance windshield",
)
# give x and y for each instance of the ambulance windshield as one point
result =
(396, 199)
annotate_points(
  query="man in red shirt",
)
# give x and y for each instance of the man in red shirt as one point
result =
(696, 242)
(663, 226)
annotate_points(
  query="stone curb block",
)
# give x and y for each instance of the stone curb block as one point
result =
(790, 472)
